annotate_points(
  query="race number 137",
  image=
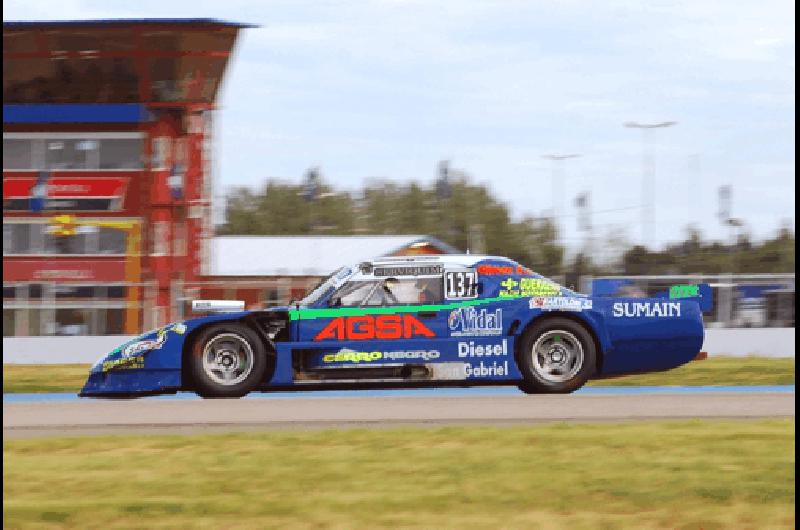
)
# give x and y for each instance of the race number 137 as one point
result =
(461, 284)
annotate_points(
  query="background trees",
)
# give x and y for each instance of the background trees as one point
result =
(467, 216)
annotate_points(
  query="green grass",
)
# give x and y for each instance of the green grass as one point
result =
(714, 371)
(687, 474)
(44, 377)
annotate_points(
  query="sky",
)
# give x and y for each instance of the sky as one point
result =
(386, 89)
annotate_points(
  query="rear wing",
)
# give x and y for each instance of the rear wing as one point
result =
(701, 293)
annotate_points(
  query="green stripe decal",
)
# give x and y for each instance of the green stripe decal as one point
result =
(311, 314)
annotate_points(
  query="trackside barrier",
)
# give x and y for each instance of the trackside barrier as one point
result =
(738, 342)
(59, 350)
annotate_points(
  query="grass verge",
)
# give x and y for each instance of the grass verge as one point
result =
(714, 371)
(44, 377)
(687, 474)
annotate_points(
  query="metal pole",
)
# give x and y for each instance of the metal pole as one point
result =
(648, 177)
(693, 183)
(558, 186)
(648, 186)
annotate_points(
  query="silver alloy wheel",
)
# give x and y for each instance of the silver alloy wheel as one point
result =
(228, 359)
(557, 356)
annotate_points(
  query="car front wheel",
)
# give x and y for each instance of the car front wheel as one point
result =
(227, 361)
(556, 356)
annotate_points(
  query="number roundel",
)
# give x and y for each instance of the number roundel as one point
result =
(459, 285)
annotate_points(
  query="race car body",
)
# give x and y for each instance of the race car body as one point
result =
(417, 321)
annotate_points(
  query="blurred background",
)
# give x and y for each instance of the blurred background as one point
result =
(158, 152)
(149, 162)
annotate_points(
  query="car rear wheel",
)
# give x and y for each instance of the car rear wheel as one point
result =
(227, 361)
(556, 356)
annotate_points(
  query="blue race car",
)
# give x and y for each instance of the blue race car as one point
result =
(410, 322)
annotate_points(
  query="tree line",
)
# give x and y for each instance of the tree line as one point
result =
(467, 216)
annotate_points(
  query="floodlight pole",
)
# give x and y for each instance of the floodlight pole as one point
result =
(558, 185)
(648, 176)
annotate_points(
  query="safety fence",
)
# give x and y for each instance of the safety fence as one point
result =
(740, 300)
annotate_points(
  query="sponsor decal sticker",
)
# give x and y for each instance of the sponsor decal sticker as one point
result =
(495, 270)
(124, 363)
(470, 349)
(529, 287)
(646, 309)
(561, 303)
(349, 356)
(352, 357)
(430, 270)
(684, 291)
(468, 321)
(482, 369)
(368, 327)
(147, 345)
(510, 287)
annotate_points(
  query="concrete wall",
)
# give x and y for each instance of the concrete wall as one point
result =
(739, 342)
(764, 342)
(59, 350)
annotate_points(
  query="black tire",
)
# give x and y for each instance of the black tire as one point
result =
(234, 370)
(547, 373)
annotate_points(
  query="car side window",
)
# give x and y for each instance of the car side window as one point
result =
(395, 291)
(352, 294)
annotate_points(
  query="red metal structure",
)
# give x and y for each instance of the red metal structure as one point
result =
(106, 128)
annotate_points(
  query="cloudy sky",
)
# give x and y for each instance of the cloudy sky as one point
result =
(388, 88)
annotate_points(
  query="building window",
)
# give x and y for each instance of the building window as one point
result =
(121, 153)
(17, 154)
(64, 309)
(9, 293)
(116, 291)
(75, 244)
(9, 232)
(33, 238)
(76, 292)
(272, 296)
(114, 322)
(72, 321)
(20, 238)
(9, 322)
(74, 80)
(69, 153)
(111, 241)
(34, 322)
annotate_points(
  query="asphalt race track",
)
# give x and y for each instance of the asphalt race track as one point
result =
(87, 417)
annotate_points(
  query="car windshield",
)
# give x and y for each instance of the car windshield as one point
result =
(325, 286)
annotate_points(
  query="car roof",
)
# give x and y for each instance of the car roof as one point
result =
(463, 260)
